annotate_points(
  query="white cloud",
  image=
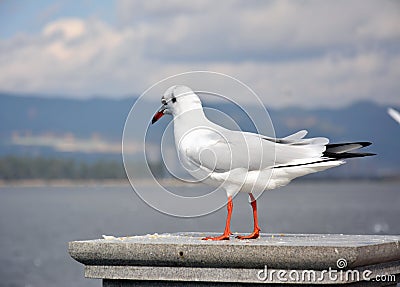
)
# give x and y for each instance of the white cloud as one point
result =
(69, 28)
(291, 52)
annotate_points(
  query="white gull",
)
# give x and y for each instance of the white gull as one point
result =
(241, 161)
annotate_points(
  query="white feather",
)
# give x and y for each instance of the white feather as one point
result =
(296, 136)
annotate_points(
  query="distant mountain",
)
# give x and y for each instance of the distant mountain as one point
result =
(79, 117)
(93, 128)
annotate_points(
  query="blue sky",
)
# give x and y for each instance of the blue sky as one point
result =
(308, 53)
(31, 16)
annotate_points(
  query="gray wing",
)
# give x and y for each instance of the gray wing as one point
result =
(225, 150)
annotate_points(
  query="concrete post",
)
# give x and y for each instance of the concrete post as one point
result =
(183, 259)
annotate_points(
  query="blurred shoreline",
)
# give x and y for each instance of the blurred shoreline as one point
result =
(62, 182)
(165, 181)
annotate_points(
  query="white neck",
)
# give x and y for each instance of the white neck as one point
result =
(187, 119)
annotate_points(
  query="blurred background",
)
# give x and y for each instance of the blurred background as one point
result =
(70, 72)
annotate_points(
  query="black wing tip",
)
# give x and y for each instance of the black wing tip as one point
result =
(362, 154)
(365, 144)
(362, 144)
(370, 154)
(345, 155)
(348, 155)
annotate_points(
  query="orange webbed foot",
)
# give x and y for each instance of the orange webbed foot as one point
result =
(222, 237)
(254, 235)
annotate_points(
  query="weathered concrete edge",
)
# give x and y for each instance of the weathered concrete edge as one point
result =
(232, 256)
(149, 254)
(234, 275)
(377, 253)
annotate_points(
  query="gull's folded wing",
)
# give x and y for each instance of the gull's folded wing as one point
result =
(224, 150)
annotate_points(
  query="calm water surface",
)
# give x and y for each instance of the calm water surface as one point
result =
(37, 222)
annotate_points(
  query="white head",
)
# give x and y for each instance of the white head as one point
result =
(177, 100)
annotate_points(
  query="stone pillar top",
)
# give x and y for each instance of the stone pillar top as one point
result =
(287, 251)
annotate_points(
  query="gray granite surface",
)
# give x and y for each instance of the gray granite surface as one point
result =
(284, 251)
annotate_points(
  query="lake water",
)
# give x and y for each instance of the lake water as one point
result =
(36, 223)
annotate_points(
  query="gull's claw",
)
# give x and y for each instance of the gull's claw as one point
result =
(222, 237)
(251, 236)
(254, 235)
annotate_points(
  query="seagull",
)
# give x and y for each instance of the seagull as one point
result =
(394, 114)
(239, 161)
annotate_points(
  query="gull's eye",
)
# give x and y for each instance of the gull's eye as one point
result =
(173, 99)
(163, 101)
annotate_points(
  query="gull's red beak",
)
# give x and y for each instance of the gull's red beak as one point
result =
(158, 115)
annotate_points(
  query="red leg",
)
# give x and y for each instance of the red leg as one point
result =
(256, 232)
(227, 230)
